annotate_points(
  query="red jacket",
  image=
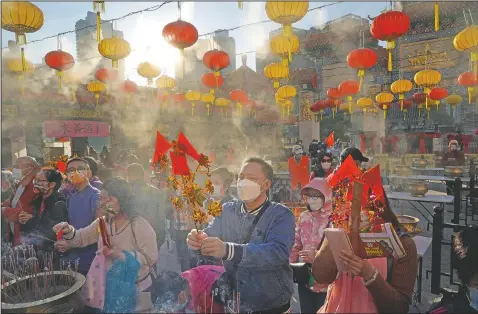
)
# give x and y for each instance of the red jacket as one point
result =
(25, 203)
(299, 172)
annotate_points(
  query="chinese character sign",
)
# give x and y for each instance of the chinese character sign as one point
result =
(76, 128)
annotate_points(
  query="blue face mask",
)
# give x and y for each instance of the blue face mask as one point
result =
(474, 298)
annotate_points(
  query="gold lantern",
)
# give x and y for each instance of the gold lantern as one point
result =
(467, 41)
(384, 100)
(97, 88)
(401, 87)
(276, 72)
(284, 46)
(17, 66)
(366, 103)
(114, 48)
(284, 94)
(208, 99)
(345, 108)
(427, 79)
(193, 96)
(222, 103)
(286, 13)
(454, 100)
(21, 17)
(148, 71)
(165, 82)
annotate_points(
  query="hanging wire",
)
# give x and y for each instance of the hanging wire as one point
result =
(58, 44)
(464, 16)
(179, 9)
(471, 16)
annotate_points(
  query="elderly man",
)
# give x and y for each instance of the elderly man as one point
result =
(254, 239)
(25, 170)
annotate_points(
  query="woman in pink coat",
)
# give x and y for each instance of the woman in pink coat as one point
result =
(308, 238)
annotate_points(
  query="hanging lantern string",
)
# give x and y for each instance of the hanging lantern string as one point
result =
(157, 7)
(471, 16)
(464, 16)
(179, 10)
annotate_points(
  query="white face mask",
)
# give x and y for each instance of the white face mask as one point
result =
(326, 165)
(299, 152)
(453, 147)
(17, 174)
(217, 190)
(315, 204)
(247, 190)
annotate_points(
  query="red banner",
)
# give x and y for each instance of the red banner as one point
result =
(76, 128)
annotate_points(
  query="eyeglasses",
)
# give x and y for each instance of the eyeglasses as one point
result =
(326, 160)
(80, 169)
(312, 197)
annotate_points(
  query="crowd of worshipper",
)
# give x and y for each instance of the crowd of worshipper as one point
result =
(243, 261)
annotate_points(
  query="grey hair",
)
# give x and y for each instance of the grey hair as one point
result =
(29, 160)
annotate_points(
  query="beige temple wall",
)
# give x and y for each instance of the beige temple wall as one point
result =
(369, 123)
(308, 128)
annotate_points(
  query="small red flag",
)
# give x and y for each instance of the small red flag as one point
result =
(329, 141)
(348, 169)
(162, 146)
(179, 164)
(187, 147)
(61, 166)
(372, 178)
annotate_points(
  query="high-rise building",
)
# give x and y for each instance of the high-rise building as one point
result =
(87, 46)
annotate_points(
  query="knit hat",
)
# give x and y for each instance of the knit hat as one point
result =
(321, 185)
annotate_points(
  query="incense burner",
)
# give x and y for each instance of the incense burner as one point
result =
(418, 188)
(401, 170)
(46, 292)
(454, 171)
(409, 223)
(419, 163)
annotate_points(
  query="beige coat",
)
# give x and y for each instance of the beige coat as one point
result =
(145, 249)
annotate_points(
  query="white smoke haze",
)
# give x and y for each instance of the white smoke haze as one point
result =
(320, 16)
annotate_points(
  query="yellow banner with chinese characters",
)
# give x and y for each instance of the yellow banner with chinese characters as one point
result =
(437, 53)
(75, 113)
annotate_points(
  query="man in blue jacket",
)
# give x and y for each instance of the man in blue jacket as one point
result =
(260, 264)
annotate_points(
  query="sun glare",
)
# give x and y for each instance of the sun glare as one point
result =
(148, 45)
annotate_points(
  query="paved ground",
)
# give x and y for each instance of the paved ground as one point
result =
(169, 260)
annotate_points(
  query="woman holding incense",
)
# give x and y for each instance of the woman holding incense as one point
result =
(375, 285)
(119, 279)
(48, 210)
(309, 234)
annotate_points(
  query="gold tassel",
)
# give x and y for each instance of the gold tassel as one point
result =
(290, 49)
(428, 113)
(59, 74)
(107, 92)
(285, 61)
(321, 114)
(419, 111)
(208, 109)
(361, 73)
(470, 91)
(405, 115)
(73, 92)
(437, 17)
(438, 104)
(390, 46)
(474, 60)
(384, 114)
(98, 27)
(97, 96)
(349, 99)
(401, 102)
(240, 4)
(192, 109)
(333, 114)
(24, 62)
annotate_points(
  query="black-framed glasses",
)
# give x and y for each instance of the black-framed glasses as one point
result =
(80, 169)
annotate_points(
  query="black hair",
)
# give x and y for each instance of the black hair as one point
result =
(121, 189)
(465, 249)
(265, 166)
(53, 175)
(93, 164)
(77, 159)
(226, 176)
(319, 172)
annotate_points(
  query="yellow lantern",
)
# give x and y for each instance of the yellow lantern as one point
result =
(222, 103)
(286, 13)
(365, 103)
(276, 72)
(284, 94)
(208, 99)
(453, 100)
(97, 88)
(165, 82)
(427, 79)
(115, 49)
(467, 41)
(284, 47)
(401, 87)
(345, 108)
(17, 66)
(384, 100)
(193, 96)
(148, 71)
(21, 17)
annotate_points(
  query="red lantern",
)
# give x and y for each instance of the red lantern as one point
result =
(211, 81)
(406, 105)
(318, 107)
(420, 99)
(180, 34)
(349, 88)
(334, 94)
(240, 98)
(362, 59)
(106, 75)
(216, 60)
(437, 94)
(179, 97)
(59, 61)
(162, 96)
(389, 26)
(468, 80)
(128, 87)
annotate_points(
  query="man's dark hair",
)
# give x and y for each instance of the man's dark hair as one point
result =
(465, 249)
(77, 159)
(136, 169)
(93, 164)
(265, 166)
(226, 176)
(53, 175)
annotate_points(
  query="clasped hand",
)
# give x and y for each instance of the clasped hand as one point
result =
(209, 246)
(357, 266)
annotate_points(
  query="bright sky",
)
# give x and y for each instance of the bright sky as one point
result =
(145, 30)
